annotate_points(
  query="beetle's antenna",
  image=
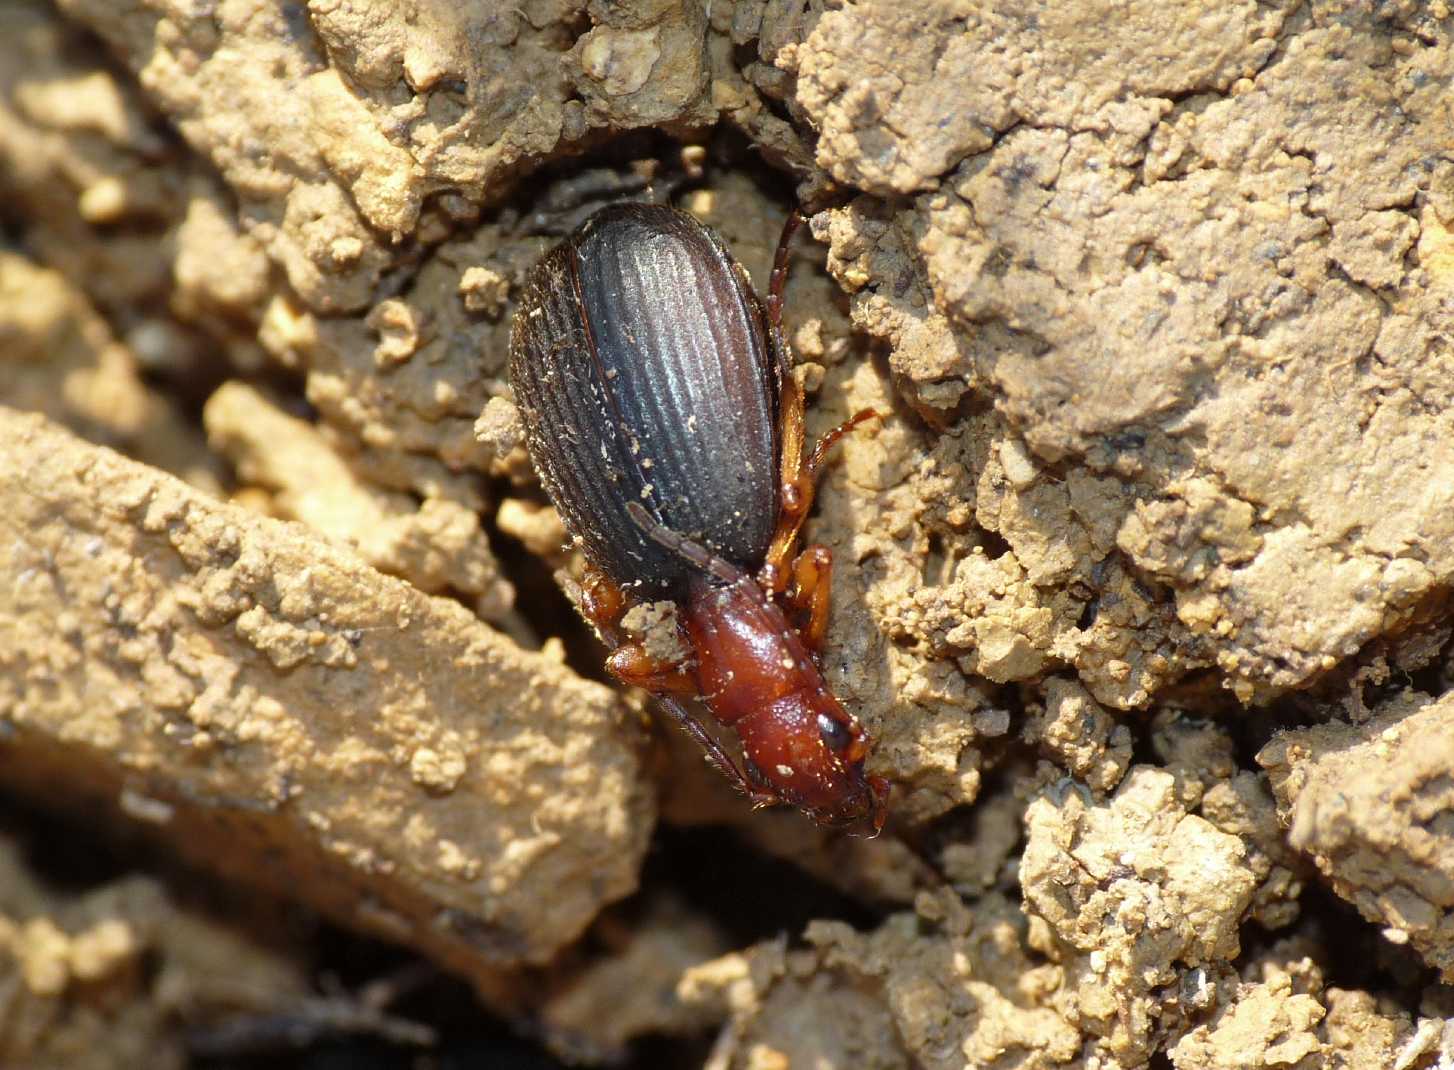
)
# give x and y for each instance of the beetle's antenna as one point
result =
(678, 543)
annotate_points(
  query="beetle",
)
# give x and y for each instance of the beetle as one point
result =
(664, 421)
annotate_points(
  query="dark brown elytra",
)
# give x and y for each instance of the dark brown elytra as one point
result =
(664, 420)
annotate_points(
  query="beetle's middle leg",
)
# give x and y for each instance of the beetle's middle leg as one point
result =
(813, 466)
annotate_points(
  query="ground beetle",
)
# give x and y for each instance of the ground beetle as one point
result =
(666, 425)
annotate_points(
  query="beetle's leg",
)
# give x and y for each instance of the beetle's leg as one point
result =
(811, 592)
(792, 510)
(814, 464)
(758, 792)
(632, 664)
(792, 430)
(602, 602)
(779, 277)
(774, 574)
(798, 474)
(799, 484)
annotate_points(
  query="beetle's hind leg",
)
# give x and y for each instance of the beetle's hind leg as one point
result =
(779, 277)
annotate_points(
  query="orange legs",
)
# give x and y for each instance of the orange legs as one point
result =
(604, 604)
(798, 470)
(633, 664)
(812, 592)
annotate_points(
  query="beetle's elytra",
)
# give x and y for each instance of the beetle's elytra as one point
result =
(667, 428)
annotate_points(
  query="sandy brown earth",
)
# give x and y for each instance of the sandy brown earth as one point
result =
(1143, 582)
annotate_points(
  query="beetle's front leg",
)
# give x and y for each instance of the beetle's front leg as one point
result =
(811, 593)
(633, 665)
(604, 604)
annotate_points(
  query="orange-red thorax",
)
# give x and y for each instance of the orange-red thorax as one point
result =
(758, 677)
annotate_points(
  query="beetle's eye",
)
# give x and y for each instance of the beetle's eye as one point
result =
(834, 733)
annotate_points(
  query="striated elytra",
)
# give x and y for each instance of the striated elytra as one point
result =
(665, 426)
(644, 372)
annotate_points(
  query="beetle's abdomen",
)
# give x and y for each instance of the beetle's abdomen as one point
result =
(644, 372)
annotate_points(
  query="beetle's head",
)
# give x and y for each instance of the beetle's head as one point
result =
(808, 751)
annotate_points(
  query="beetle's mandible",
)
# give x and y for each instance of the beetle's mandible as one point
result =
(664, 420)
